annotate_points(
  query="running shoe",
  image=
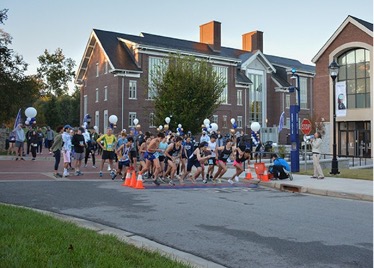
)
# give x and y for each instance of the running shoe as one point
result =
(156, 182)
(236, 178)
(230, 181)
(101, 174)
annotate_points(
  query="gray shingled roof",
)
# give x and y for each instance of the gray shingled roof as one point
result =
(363, 22)
(120, 56)
(241, 78)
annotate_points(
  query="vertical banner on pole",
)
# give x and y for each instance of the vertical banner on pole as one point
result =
(340, 99)
(294, 124)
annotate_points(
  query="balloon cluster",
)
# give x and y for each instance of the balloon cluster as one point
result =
(113, 121)
(209, 127)
(30, 113)
(255, 127)
(233, 122)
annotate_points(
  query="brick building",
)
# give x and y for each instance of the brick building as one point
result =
(115, 69)
(351, 46)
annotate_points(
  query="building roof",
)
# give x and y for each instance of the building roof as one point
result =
(364, 26)
(121, 58)
(241, 78)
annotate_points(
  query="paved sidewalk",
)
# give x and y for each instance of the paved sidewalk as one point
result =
(42, 168)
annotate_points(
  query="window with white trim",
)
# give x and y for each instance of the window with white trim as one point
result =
(215, 119)
(152, 120)
(97, 119)
(106, 67)
(97, 95)
(105, 93)
(97, 69)
(287, 122)
(84, 104)
(239, 97)
(239, 121)
(224, 120)
(106, 120)
(288, 100)
(303, 92)
(153, 71)
(132, 89)
(222, 73)
(132, 116)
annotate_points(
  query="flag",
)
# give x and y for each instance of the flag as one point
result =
(281, 122)
(18, 119)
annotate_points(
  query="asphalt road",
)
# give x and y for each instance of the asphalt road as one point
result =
(233, 226)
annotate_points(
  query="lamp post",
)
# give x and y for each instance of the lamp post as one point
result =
(334, 71)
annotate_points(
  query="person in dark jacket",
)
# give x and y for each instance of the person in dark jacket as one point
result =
(79, 145)
(33, 143)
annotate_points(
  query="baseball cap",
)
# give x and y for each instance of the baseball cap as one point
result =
(67, 126)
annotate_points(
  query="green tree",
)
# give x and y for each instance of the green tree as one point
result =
(17, 90)
(188, 89)
(56, 71)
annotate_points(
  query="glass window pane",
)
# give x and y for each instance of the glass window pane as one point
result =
(367, 100)
(367, 69)
(351, 57)
(351, 71)
(342, 73)
(360, 100)
(361, 70)
(351, 86)
(360, 55)
(360, 86)
(367, 55)
(351, 101)
(342, 60)
(367, 83)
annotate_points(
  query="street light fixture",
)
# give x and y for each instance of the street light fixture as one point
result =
(334, 71)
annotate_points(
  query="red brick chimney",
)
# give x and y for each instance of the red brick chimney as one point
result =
(210, 33)
(253, 41)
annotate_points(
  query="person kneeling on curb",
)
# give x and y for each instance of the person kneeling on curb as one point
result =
(280, 168)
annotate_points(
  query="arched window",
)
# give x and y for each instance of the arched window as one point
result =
(355, 70)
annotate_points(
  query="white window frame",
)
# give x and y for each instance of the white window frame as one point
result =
(239, 97)
(132, 90)
(105, 120)
(106, 67)
(224, 120)
(287, 122)
(152, 120)
(97, 69)
(132, 116)
(105, 93)
(153, 63)
(288, 100)
(222, 73)
(239, 121)
(215, 119)
(303, 87)
(85, 100)
(97, 95)
(97, 119)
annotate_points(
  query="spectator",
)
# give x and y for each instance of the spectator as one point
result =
(280, 168)
(56, 149)
(316, 144)
(40, 140)
(20, 139)
(50, 135)
(34, 139)
(79, 146)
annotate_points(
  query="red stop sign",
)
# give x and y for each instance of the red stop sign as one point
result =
(306, 126)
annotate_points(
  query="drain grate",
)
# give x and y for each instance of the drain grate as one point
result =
(290, 188)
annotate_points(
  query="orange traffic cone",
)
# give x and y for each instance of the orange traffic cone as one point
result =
(265, 176)
(139, 182)
(127, 179)
(133, 179)
(248, 175)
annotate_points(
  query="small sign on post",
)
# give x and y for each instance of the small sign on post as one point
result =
(306, 126)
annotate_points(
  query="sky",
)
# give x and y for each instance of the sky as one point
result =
(292, 29)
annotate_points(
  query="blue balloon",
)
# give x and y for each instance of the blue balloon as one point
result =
(234, 125)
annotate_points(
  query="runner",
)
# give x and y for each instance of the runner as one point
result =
(173, 155)
(124, 161)
(108, 147)
(212, 145)
(240, 158)
(224, 154)
(151, 156)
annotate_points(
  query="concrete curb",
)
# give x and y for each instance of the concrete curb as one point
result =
(302, 189)
(133, 239)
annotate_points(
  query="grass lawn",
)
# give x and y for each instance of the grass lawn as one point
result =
(360, 174)
(31, 239)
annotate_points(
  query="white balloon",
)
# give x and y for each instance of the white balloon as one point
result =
(232, 120)
(113, 119)
(206, 122)
(255, 126)
(136, 121)
(160, 127)
(214, 126)
(27, 122)
(179, 125)
(31, 112)
(96, 128)
(28, 119)
(167, 120)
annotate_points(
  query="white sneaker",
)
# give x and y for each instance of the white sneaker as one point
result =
(66, 174)
(109, 168)
(236, 178)
(230, 181)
